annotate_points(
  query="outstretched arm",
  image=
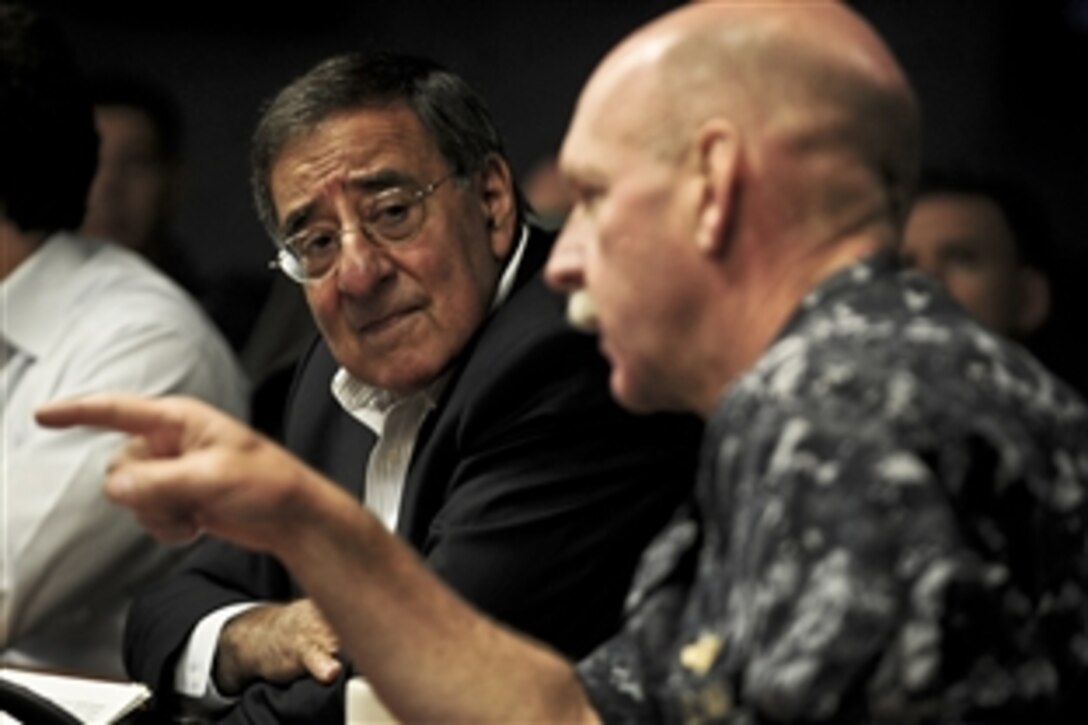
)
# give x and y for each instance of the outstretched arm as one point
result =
(189, 468)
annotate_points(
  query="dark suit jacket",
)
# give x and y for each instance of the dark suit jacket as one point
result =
(529, 491)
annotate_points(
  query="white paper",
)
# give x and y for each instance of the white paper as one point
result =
(363, 705)
(95, 702)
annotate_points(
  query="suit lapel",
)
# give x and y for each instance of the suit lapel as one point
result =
(436, 453)
(321, 432)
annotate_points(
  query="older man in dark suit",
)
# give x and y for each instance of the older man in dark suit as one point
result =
(446, 391)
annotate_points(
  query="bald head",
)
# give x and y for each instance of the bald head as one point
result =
(805, 81)
(724, 159)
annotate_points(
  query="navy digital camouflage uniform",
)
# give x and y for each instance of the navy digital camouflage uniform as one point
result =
(890, 528)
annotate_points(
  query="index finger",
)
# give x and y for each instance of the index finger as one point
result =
(118, 411)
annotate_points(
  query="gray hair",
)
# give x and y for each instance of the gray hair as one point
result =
(453, 114)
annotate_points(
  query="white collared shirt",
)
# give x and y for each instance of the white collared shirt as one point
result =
(77, 317)
(396, 422)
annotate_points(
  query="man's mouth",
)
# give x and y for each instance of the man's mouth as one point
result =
(384, 323)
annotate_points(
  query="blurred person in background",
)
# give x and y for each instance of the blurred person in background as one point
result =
(988, 241)
(76, 316)
(141, 176)
(137, 195)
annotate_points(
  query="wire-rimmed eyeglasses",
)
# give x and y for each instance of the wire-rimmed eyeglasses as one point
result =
(390, 217)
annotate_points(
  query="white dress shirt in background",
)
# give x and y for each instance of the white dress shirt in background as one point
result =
(79, 317)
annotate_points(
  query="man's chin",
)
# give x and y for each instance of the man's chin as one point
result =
(645, 394)
(627, 394)
(400, 376)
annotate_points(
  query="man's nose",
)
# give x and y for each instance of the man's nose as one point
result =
(107, 180)
(565, 271)
(362, 265)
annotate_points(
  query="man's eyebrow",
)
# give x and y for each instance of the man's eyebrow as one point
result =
(378, 181)
(296, 220)
(369, 183)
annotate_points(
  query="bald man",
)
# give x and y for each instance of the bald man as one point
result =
(891, 508)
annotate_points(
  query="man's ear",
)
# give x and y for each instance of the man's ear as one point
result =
(718, 162)
(1034, 301)
(499, 205)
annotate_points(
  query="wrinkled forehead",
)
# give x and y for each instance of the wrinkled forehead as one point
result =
(366, 149)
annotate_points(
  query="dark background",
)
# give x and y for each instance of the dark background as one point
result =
(1002, 86)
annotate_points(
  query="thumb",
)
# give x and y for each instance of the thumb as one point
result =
(322, 665)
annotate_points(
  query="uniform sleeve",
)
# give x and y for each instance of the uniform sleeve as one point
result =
(624, 678)
(818, 593)
(839, 547)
